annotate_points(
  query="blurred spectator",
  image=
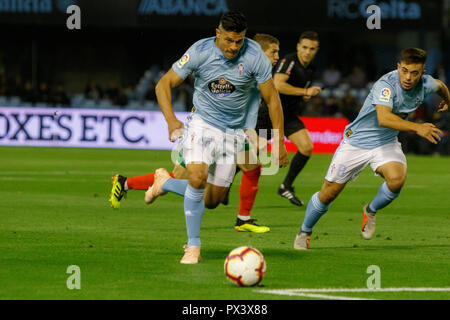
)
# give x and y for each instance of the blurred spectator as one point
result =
(313, 107)
(331, 76)
(43, 93)
(442, 121)
(184, 95)
(121, 99)
(151, 94)
(2, 65)
(93, 91)
(2, 86)
(348, 107)
(357, 78)
(60, 97)
(440, 73)
(330, 107)
(16, 87)
(112, 91)
(29, 95)
(130, 92)
(412, 143)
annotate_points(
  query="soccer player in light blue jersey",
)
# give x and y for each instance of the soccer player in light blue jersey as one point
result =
(225, 69)
(371, 139)
(251, 168)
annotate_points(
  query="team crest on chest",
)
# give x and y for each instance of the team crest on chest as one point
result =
(241, 69)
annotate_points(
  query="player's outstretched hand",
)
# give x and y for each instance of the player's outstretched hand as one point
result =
(284, 159)
(279, 153)
(443, 106)
(313, 91)
(429, 132)
(176, 130)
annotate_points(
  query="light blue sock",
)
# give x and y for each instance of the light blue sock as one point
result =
(383, 198)
(194, 206)
(314, 211)
(177, 186)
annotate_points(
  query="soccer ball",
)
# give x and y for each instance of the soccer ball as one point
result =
(245, 266)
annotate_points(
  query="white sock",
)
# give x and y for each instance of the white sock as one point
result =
(244, 218)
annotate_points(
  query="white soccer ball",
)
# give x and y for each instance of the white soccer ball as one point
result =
(245, 266)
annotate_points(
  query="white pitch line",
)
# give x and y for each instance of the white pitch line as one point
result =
(429, 289)
(312, 293)
(309, 295)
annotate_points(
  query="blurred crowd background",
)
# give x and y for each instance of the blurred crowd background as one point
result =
(115, 65)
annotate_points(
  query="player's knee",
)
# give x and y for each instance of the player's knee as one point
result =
(329, 193)
(179, 172)
(197, 180)
(395, 184)
(327, 196)
(307, 149)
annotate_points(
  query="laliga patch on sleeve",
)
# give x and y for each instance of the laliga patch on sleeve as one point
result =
(183, 61)
(385, 95)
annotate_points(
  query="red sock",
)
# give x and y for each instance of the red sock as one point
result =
(142, 182)
(248, 190)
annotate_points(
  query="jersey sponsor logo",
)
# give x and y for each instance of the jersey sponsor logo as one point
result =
(183, 61)
(221, 88)
(385, 95)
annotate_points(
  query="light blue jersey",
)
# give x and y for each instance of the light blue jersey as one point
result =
(224, 87)
(251, 117)
(365, 132)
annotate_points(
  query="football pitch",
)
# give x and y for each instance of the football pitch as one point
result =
(55, 214)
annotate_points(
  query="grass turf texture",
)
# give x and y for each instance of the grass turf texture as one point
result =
(55, 213)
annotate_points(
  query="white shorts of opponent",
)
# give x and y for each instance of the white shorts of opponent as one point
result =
(348, 161)
(205, 143)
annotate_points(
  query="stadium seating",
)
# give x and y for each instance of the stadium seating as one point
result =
(79, 101)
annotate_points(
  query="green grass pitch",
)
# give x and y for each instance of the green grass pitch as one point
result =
(55, 213)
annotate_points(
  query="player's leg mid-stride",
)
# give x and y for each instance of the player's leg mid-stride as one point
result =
(394, 173)
(368, 224)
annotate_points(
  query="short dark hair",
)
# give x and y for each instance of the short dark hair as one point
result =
(310, 35)
(265, 40)
(413, 55)
(234, 21)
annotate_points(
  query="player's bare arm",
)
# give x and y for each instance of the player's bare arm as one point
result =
(284, 87)
(444, 93)
(163, 94)
(389, 120)
(270, 95)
